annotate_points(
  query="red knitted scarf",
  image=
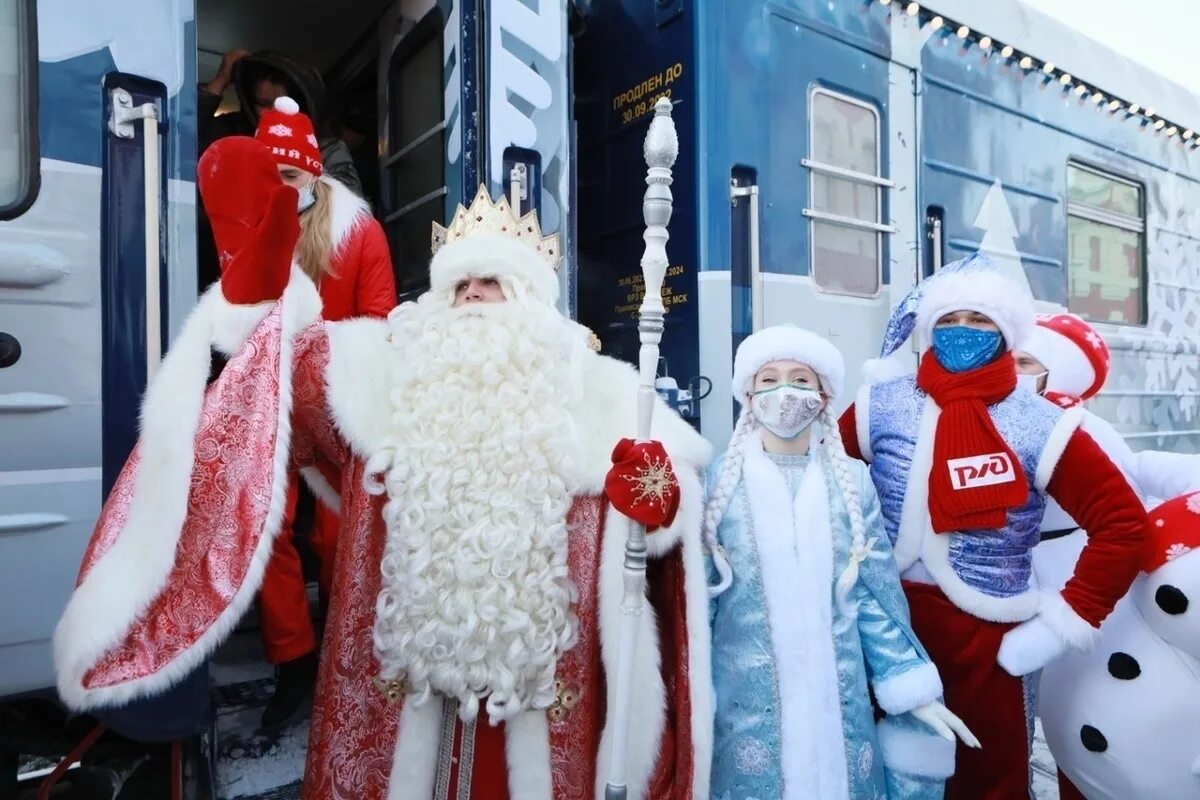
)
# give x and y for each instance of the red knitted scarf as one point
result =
(975, 478)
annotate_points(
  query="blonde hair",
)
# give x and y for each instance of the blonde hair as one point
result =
(835, 464)
(314, 250)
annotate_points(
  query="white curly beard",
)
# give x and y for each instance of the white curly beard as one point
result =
(475, 600)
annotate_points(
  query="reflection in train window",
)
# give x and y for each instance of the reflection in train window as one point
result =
(1106, 253)
(18, 107)
(845, 194)
(415, 171)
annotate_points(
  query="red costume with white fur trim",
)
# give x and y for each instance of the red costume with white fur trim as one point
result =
(965, 553)
(440, 553)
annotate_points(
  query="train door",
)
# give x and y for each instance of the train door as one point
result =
(811, 149)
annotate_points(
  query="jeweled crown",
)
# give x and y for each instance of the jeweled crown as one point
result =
(498, 218)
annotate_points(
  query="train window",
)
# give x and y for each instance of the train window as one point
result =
(18, 107)
(1106, 253)
(845, 194)
(415, 166)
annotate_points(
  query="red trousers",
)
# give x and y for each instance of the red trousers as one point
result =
(989, 700)
(284, 618)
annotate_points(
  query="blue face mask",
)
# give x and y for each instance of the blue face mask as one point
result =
(959, 348)
(306, 200)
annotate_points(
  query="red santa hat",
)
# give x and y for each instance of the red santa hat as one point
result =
(979, 288)
(787, 343)
(1174, 531)
(253, 217)
(290, 136)
(1074, 354)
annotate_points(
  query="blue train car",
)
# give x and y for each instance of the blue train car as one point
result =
(833, 153)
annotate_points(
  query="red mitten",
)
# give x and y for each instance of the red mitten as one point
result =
(254, 218)
(642, 483)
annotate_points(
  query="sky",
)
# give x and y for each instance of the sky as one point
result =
(1161, 34)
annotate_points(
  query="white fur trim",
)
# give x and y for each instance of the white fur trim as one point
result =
(492, 255)
(1056, 445)
(916, 539)
(1069, 371)
(882, 370)
(985, 291)
(1063, 620)
(910, 689)
(321, 489)
(527, 748)
(348, 211)
(650, 696)
(699, 642)
(787, 342)
(359, 379)
(415, 758)
(124, 582)
(914, 510)
(862, 422)
(915, 752)
(800, 609)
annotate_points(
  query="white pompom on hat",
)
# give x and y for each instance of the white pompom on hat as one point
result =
(788, 343)
(985, 291)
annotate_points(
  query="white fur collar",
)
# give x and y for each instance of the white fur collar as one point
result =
(348, 210)
(794, 540)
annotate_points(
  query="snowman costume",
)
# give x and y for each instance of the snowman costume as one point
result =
(1123, 721)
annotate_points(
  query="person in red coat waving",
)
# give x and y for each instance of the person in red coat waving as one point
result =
(343, 249)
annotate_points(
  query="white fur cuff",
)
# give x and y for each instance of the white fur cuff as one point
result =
(908, 690)
(233, 324)
(1063, 620)
(914, 752)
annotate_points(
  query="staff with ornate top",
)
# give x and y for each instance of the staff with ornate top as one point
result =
(661, 148)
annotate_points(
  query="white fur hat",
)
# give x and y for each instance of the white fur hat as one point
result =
(978, 289)
(493, 255)
(1074, 354)
(787, 343)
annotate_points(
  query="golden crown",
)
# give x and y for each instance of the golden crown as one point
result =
(484, 216)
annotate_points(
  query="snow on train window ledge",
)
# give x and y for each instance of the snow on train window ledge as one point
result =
(845, 195)
(1106, 246)
(19, 173)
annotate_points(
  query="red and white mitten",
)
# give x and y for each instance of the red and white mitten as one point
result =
(254, 219)
(642, 483)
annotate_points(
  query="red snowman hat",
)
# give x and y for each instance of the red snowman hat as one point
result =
(1075, 355)
(253, 216)
(1174, 531)
(290, 136)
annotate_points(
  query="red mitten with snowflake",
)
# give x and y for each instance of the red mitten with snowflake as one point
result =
(254, 218)
(642, 484)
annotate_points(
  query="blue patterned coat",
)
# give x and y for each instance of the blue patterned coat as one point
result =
(901, 759)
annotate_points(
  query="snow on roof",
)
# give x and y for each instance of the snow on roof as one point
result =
(1089, 62)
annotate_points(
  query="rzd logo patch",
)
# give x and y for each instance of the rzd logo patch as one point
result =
(975, 471)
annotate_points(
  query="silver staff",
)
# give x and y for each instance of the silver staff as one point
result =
(661, 148)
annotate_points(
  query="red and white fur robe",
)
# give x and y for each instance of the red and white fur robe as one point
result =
(180, 547)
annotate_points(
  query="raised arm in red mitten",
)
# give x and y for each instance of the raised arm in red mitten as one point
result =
(642, 483)
(254, 219)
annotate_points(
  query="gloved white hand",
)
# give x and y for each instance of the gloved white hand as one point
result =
(945, 723)
(1030, 646)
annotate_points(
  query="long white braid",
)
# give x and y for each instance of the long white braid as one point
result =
(722, 495)
(836, 465)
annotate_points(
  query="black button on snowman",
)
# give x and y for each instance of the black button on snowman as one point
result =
(1123, 720)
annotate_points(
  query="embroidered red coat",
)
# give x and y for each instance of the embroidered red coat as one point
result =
(181, 544)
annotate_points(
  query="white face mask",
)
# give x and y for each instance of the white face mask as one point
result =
(307, 198)
(786, 411)
(1030, 382)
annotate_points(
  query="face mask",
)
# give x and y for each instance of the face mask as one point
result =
(786, 411)
(307, 198)
(1030, 382)
(959, 348)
